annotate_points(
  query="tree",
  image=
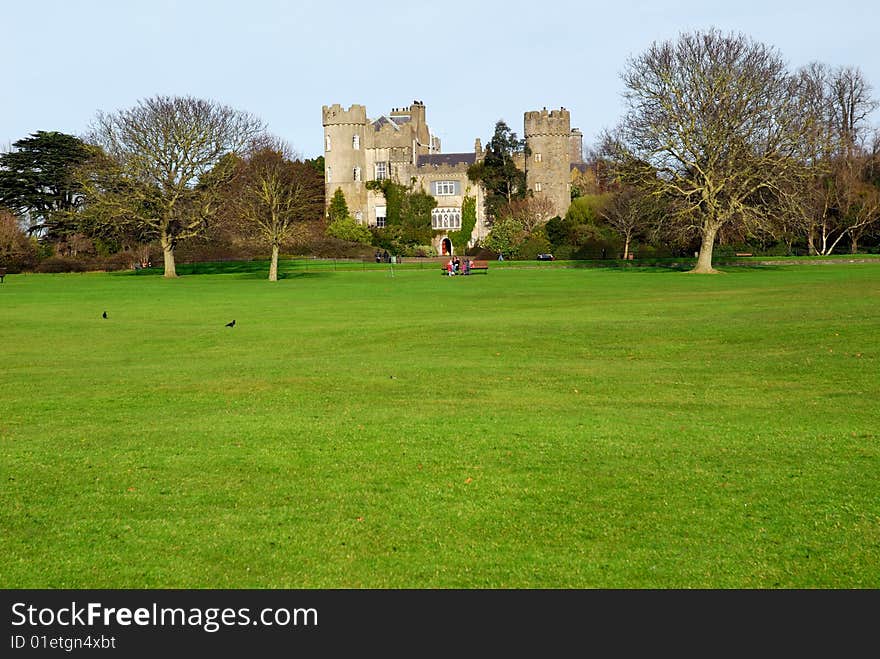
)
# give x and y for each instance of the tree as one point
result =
(505, 237)
(16, 249)
(165, 177)
(407, 214)
(502, 180)
(531, 212)
(36, 180)
(851, 105)
(338, 208)
(111, 203)
(856, 198)
(836, 201)
(630, 214)
(715, 123)
(318, 164)
(272, 194)
(582, 232)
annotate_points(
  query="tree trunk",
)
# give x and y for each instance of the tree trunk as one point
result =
(273, 266)
(854, 249)
(704, 260)
(626, 248)
(168, 252)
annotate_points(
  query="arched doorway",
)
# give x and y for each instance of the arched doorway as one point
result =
(446, 247)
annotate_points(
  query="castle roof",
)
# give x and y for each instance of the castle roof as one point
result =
(393, 121)
(448, 159)
(383, 120)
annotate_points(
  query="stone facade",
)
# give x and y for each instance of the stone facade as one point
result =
(399, 146)
(549, 139)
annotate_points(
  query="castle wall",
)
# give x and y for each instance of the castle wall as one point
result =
(427, 176)
(355, 142)
(548, 165)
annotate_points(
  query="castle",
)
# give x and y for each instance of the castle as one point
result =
(400, 146)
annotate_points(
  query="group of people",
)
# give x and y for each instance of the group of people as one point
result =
(455, 266)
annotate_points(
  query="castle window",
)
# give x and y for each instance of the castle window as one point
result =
(380, 216)
(537, 187)
(356, 173)
(446, 218)
(328, 173)
(381, 170)
(444, 188)
(537, 157)
(356, 142)
(359, 216)
(326, 143)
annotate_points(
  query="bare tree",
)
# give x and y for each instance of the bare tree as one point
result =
(630, 213)
(15, 246)
(273, 194)
(857, 199)
(715, 123)
(837, 200)
(165, 152)
(530, 212)
(851, 105)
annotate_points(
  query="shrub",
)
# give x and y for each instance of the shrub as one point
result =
(420, 251)
(61, 264)
(535, 244)
(333, 248)
(347, 228)
(563, 252)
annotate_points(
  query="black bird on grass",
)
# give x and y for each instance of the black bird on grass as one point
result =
(104, 315)
(230, 324)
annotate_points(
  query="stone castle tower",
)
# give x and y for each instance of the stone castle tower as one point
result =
(551, 147)
(344, 152)
(358, 149)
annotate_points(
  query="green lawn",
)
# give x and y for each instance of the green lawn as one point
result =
(529, 428)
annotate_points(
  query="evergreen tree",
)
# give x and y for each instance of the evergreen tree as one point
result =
(36, 180)
(498, 173)
(338, 208)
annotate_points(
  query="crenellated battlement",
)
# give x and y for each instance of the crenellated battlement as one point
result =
(336, 115)
(547, 122)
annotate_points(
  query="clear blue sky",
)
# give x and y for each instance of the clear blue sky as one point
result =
(471, 62)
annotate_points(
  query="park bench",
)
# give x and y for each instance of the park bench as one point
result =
(480, 266)
(743, 253)
(2, 274)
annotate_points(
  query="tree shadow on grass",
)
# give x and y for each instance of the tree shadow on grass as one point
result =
(671, 265)
(238, 270)
(765, 267)
(281, 275)
(634, 266)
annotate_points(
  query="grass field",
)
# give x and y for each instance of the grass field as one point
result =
(529, 428)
